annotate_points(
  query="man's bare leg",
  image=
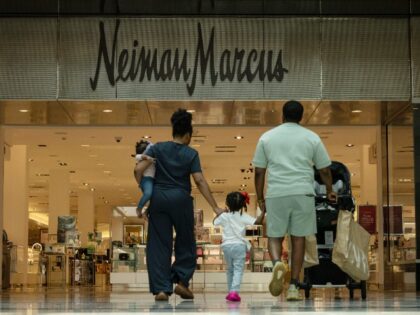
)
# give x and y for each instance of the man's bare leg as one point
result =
(275, 247)
(298, 255)
(279, 269)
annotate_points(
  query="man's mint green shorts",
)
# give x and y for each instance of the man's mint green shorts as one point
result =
(293, 215)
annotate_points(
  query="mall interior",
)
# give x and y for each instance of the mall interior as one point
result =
(70, 118)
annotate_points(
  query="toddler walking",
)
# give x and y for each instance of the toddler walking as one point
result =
(234, 243)
(147, 181)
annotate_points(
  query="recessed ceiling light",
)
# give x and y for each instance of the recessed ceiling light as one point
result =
(24, 110)
(106, 201)
(92, 189)
(243, 185)
(85, 145)
(195, 145)
(356, 111)
(192, 111)
(62, 163)
(100, 164)
(349, 145)
(404, 180)
(31, 160)
(107, 172)
(147, 137)
(239, 137)
(353, 174)
(85, 184)
(107, 111)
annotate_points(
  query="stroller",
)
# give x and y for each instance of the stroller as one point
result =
(327, 274)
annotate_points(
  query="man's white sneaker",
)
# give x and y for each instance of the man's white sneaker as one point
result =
(277, 279)
(293, 293)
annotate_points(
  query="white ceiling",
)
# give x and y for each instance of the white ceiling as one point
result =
(107, 166)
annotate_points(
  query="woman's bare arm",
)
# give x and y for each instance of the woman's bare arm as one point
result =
(204, 188)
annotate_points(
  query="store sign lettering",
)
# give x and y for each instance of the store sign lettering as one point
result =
(140, 63)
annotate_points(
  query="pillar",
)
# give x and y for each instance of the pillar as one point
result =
(86, 214)
(368, 177)
(117, 233)
(370, 184)
(16, 204)
(1, 193)
(59, 197)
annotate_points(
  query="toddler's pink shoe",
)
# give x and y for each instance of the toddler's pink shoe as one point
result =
(233, 297)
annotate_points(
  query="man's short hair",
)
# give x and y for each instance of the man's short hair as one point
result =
(292, 111)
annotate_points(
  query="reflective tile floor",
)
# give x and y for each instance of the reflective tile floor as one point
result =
(121, 301)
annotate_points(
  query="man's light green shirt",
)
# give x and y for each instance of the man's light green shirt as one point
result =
(289, 152)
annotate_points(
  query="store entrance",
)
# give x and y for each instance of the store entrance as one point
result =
(76, 159)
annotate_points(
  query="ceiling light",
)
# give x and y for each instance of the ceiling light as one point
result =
(62, 164)
(107, 172)
(147, 137)
(85, 145)
(238, 137)
(349, 145)
(195, 145)
(85, 184)
(31, 160)
(93, 156)
(191, 111)
(404, 180)
(42, 145)
(353, 174)
(107, 111)
(243, 185)
(106, 201)
(92, 189)
(24, 110)
(100, 164)
(356, 111)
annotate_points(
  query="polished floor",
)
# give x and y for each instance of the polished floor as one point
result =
(122, 300)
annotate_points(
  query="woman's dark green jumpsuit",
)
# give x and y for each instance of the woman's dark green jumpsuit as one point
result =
(171, 207)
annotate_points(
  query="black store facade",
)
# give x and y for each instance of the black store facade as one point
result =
(61, 58)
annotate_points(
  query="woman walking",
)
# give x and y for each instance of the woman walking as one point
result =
(171, 207)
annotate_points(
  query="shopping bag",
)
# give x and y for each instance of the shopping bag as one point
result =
(351, 246)
(311, 251)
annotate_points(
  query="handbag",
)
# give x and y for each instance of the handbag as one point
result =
(351, 247)
(311, 251)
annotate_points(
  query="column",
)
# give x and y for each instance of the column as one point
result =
(416, 131)
(59, 197)
(86, 214)
(117, 233)
(15, 212)
(1, 193)
(370, 183)
(368, 177)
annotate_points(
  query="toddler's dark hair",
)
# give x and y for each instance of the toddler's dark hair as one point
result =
(141, 146)
(235, 201)
(181, 121)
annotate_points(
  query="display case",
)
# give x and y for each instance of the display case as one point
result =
(82, 271)
(124, 259)
(56, 269)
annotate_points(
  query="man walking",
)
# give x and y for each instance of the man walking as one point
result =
(288, 153)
